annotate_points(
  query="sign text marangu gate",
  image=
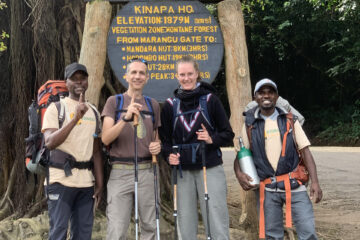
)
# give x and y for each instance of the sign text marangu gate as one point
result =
(161, 33)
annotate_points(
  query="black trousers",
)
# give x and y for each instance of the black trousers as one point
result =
(74, 204)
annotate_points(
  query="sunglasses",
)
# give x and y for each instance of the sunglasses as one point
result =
(139, 60)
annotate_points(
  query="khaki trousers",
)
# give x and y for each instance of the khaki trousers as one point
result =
(120, 202)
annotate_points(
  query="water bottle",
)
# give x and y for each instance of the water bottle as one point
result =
(246, 163)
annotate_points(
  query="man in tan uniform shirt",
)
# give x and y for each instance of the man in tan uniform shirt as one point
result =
(276, 156)
(71, 194)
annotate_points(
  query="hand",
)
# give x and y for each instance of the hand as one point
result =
(242, 178)
(97, 196)
(155, 148)
(133, 109)
(174, 159)
(204, 135)
(244, 181)
(81, 108)
(315, 192)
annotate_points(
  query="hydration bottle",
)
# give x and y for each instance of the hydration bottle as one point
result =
(246, 163)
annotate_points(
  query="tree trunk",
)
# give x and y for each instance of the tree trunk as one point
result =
(93, 49)
(46, 41)
(238, 87)
(35, 48)
(15, 121)
(5, 96)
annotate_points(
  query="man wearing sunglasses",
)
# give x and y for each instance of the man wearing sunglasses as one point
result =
(118, 132)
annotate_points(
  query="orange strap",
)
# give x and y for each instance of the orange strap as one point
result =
(285, 137)
(280, 178)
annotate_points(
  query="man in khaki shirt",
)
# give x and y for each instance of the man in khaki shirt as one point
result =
(74, 153)
(274, 151)
(118, 131)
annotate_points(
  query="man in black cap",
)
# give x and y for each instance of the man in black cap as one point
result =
(71, 129)
(274, 138)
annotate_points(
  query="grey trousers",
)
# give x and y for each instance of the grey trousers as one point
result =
(190, 189)
(120, 202)
(301, 210)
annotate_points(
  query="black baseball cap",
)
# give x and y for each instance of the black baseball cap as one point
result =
(74, 67)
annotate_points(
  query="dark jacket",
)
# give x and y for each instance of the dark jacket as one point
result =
(221, 135)
(286, 163)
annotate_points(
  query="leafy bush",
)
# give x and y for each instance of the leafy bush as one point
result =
(343, 132)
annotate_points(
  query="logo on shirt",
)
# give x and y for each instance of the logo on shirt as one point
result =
(272, 133)
(84, 119)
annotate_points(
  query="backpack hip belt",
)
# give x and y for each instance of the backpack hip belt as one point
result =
(193, 146)
(62, 160)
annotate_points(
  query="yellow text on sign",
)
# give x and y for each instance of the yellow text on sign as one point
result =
(162, 9)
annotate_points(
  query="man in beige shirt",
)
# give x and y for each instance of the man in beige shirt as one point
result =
(74, 154)
(273, 146)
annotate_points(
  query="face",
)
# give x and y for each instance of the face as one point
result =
(266, 97)
(187, 75)
(137, 75)
(77, 84)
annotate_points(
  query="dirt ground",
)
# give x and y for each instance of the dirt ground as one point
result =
(337, 216)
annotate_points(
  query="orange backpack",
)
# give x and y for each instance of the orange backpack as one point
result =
(49, 92)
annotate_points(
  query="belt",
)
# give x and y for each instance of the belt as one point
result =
(141, 166)
(131, 160)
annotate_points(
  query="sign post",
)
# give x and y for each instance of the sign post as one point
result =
(161, 33)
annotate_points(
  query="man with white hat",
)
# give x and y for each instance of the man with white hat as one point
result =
(280, 103)
(275, 137)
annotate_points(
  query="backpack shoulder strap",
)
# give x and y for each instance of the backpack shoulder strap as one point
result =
(176, 110)
(204, 109)
(61, 112)
(249, 134)
(150, 107)
(249, 124)
(119, 106)
(98, 122)
(290, 118)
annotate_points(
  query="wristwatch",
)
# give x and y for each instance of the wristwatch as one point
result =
(127, 120)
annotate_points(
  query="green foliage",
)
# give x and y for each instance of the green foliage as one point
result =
(345, 48)
(212, 8)
(306, 46)
(337, 126)
(4, 35)
(2, 5)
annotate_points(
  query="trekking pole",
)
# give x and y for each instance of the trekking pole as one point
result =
(154, 162)
(136, 123)
(174, 175)
(206, 195)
